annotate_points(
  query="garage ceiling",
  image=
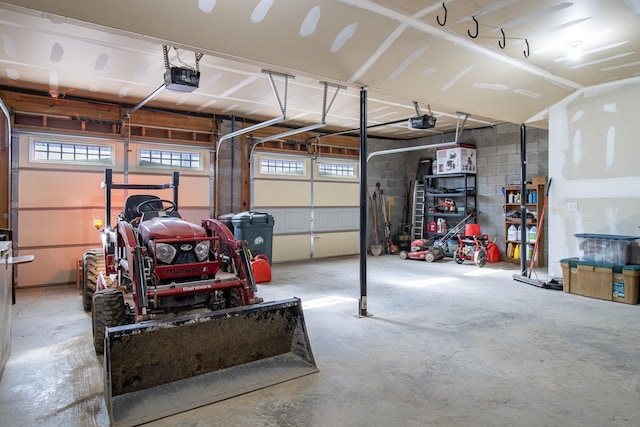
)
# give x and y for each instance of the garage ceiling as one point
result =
(397, 49)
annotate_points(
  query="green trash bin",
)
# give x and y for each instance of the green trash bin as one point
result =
(257, 229)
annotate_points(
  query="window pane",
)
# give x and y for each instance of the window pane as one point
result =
(340, 170)
(72, 153)
(176, 159)
(282, 167)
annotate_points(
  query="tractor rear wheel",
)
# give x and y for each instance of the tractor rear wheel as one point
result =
(92, 265)
(107, 310)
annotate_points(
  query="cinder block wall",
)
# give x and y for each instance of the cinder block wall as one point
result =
(498, 162)
(390, 171)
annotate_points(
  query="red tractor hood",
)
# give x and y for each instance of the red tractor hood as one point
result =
(170, 228)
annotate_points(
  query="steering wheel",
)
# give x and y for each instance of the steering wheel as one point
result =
(146, 206)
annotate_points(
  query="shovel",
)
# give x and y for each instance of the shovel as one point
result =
(376, 247)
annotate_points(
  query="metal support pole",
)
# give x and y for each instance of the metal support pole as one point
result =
(523, 200)
(363, 203)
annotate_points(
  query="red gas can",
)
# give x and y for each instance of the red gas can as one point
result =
(493, 252)
(261, 268)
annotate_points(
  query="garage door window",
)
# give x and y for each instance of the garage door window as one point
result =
(63, 152)
(337, 170)
(172, 159)
(282, 167)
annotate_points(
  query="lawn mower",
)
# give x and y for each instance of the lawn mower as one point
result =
(433, 250)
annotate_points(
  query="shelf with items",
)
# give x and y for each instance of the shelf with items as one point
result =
(534, 194)
(448, 200)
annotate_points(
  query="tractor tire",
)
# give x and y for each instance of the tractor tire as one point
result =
(92, 265)
(107, 310)
(233, 298)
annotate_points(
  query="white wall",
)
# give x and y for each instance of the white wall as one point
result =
(594, 160)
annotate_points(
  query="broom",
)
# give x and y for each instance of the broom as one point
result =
(525, 277)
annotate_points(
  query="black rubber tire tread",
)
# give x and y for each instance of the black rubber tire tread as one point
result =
(88, 278)
(107, 310)
(233, 298)
(92, 264)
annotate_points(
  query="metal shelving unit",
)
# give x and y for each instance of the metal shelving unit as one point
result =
(457, 192)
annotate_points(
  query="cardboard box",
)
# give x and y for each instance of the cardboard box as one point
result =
(603, 281)
(456, 160)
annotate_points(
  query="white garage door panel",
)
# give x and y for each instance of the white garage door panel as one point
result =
(50, 266)
(289, 248)
(57, 228)
(336, 244)
(192, 190)
(290, 221)
(281, 193)
(195, 215)
(336, 219)
(336, 194)
(45, 188)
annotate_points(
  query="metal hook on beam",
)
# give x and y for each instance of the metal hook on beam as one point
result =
(477, 29)
(445, 16)
(502, 43)
(526, 52)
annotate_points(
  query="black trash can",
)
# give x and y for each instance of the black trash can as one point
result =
(257, 229)
(226, 220)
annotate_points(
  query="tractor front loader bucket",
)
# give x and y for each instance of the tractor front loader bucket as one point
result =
(156, 369)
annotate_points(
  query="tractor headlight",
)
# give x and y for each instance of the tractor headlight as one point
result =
(165, 253)
(202, 250)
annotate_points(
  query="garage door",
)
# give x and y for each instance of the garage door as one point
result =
(314, 202)
(57, 194)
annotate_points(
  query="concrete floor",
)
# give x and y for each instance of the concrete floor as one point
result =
(446, 345)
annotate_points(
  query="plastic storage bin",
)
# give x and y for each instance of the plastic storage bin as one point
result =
(603, 281)
(604, 248)
(257, 229)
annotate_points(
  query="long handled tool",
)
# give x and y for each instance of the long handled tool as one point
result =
(376, 247)
(525, 277)
(386, 220)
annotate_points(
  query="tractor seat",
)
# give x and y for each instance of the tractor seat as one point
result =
(132, 202)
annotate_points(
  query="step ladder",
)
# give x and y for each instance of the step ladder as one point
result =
(417, 231)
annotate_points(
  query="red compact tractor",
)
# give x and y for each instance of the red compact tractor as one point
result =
(161, 263)
(174, 302)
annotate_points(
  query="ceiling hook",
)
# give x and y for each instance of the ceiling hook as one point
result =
(502, 43)
(526, 52)
(445, 16)
(469, 32)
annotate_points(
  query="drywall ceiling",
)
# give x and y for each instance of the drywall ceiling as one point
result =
(396, 49)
